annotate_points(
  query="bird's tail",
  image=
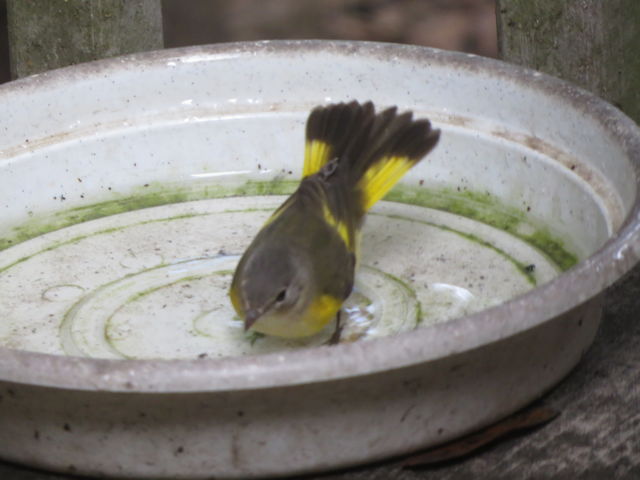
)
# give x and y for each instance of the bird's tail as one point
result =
(373, 150)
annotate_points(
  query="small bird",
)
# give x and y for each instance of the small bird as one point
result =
(299, 269)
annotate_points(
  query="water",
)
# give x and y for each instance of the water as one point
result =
(153, 283)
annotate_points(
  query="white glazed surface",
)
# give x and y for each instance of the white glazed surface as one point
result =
(153, 283)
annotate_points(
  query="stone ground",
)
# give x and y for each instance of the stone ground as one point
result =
(596, 436)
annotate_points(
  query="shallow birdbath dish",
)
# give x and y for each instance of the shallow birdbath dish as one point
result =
(128, 188)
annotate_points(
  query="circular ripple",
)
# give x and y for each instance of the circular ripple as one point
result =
(62, 293)
(180, 310)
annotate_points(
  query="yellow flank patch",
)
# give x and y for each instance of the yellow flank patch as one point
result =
(316, 155)
(340, 227)
(381, 177)
(321, 311)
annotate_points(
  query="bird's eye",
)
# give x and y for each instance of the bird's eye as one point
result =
(281, 295)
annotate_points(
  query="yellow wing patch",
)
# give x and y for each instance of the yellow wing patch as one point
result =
(316, 154)
(381, 177)
(339, 226)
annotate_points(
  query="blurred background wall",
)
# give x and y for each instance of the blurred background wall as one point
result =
(466, 25)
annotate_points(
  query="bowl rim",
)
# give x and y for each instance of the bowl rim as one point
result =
(580, 283)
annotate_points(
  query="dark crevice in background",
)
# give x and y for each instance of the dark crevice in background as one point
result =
(466, 25)
(5, 74)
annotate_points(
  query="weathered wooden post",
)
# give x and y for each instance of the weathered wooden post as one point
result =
(593, 44)
(46, 34)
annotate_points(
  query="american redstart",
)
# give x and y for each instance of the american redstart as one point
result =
(299, 269)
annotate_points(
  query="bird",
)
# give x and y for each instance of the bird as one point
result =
(293, 278)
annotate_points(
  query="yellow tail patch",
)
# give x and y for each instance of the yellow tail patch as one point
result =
(381, 177)
(316, 154)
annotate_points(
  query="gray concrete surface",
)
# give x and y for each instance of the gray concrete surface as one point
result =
(597, 435)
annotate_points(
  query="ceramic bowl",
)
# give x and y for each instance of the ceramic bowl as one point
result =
(129, 186)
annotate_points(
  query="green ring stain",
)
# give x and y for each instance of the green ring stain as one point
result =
(143, 197)
(521, 267)
(66, 322)
(485, 208)
(137, 296)
(408, 289)
(481, 207)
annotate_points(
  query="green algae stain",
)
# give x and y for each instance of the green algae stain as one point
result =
(486, 208)
(521, 267)
(552, 247)
(482, 207)
(142, 197)
(164, 195)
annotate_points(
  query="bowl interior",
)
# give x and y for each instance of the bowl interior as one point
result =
(130, 188)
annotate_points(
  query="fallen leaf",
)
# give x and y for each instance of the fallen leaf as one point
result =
(524, 420)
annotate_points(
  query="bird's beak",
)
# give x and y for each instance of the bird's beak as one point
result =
(250, 318)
